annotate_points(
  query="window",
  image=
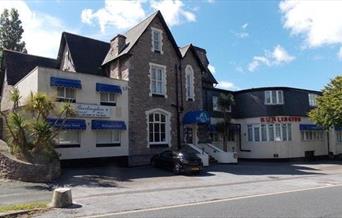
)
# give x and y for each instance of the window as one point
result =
(263, 133)
(158, 80)
(68, 138)
(339, 136)
(189, 83)
(274, 97)
(250, 133)
(271, 132)
(157, 40)
(108, 98)
(107, 138)
(312, 99)
(256, 133)
(66, 94)
(215, 104)
(231, 135)
(312, 135)
(158, 128)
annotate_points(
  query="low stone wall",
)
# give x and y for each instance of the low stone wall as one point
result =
(11, 168)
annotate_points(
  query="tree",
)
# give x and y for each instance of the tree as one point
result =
(30, 135)
(225, 101)
(328, 112)
(11, 31)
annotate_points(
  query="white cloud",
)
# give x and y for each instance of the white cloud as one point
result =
(120, 14)
(318, 22)
(227, 85)
(278, 56)
(42, 32)
(123, 14)
(212, 69)
(339, 54)
(244, 26)
(173, 11)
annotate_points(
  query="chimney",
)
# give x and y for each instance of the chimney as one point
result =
(117, 44)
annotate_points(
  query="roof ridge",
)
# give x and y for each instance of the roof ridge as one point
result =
(22, 53)
(151, 15)
(85, 37)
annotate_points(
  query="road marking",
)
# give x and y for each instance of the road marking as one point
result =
(210, 201)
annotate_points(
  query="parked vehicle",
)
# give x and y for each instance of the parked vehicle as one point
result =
(178, 162)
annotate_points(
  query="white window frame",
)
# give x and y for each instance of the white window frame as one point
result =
(112, 132)
(163, 79)
(64, 97)
(274, 97)
(189, 83)
(269, 132)
(312, 135)
(160, 32)
(76, 133)
(312, 99)
(108, 97)
(167, 126)
(338, 136)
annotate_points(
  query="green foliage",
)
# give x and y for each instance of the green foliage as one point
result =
(11, 31)
(225, 101)
(31, 137)
(328, 112)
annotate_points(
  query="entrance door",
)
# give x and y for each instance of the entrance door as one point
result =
(190, 134)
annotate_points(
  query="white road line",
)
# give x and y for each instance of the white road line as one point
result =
(209, 202)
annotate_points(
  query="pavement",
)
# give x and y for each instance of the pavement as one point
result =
(99, 191)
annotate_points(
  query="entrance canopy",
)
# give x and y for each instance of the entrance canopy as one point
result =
(196, 117)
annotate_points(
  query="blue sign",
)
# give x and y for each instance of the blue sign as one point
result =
(196, 117)
(108, 124)
(68, 124)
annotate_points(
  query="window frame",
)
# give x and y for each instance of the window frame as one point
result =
(167, 128)
(108, 101)
(160, 40)
(73, 132)
(111, 143)
(312, 97)
(274, 97)
(189, 83)
(64, 98)
(153, 79)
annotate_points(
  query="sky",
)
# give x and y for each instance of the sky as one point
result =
(249, 44)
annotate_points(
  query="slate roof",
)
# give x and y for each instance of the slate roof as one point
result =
(18, 65)
(134, 34)
(200, 55)
(87, 54)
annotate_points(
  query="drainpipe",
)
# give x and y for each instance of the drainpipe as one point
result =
(177, 110)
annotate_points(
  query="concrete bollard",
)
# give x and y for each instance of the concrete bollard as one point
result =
(61, 198)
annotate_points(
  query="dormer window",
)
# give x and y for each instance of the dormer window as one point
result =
(312, 99)
(273, 97)
(157, 40)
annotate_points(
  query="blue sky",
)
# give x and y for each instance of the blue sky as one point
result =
(249, 43)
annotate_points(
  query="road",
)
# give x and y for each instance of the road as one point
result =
(318, 202)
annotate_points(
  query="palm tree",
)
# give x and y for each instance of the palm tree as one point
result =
(225, 101)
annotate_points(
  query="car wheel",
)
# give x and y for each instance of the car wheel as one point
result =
(176, 169)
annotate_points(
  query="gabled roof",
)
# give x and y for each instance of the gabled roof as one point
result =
(87, 54)
(200, 55)
(135, 33)
(18, 65)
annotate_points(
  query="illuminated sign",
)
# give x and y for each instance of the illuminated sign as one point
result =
(280, 119)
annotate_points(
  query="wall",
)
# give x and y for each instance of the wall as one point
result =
(285, 149)
(86, 95)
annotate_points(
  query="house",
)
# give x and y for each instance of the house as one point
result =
(141, 83)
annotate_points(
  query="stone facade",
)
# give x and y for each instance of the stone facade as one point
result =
(140, 100)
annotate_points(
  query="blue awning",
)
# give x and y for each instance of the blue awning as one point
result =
(108, 124)
(100, 87)
(68, 83)
(68, 124)
(309, 127)
(196, 117)
(338, 128)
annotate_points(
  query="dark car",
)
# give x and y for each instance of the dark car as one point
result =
(178, 162)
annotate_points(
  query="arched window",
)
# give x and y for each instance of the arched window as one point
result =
(158, 128)
(189, 83)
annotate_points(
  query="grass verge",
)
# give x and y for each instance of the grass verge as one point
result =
(26, 206)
